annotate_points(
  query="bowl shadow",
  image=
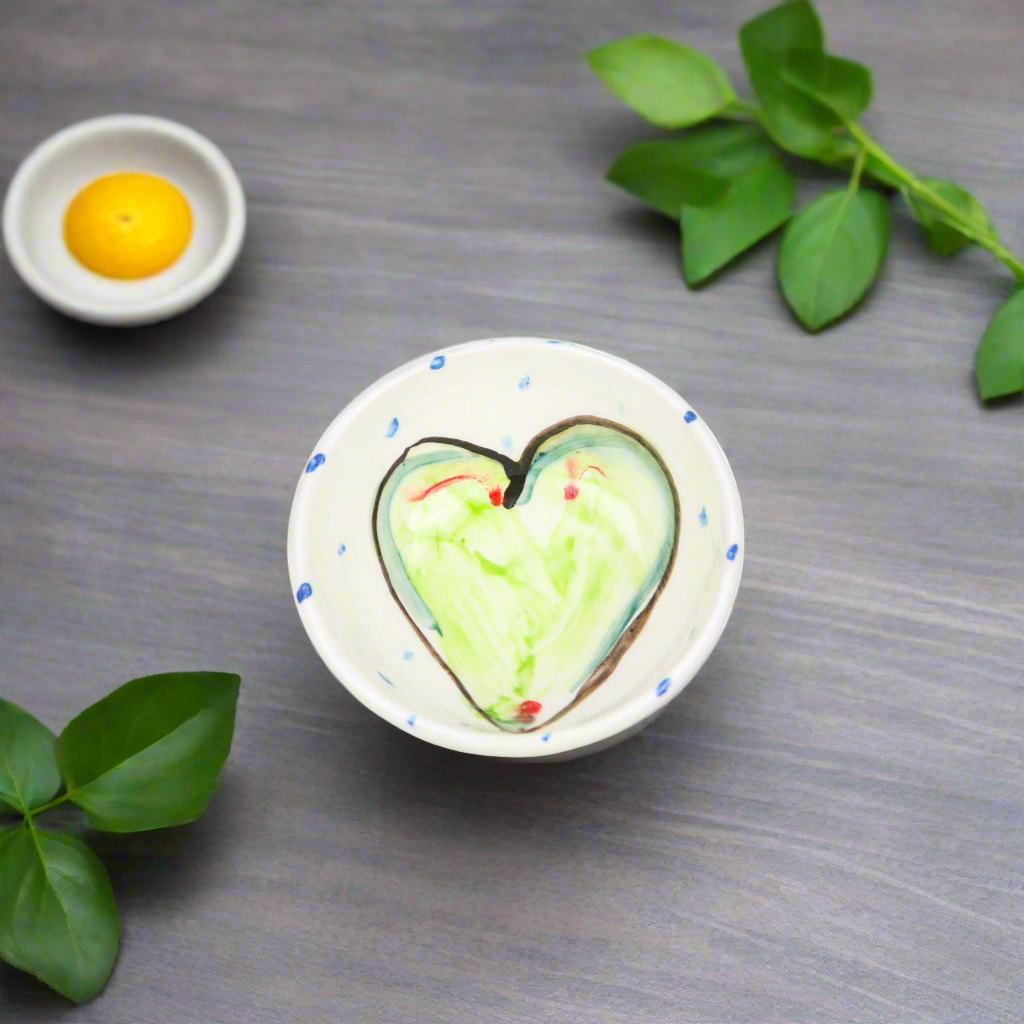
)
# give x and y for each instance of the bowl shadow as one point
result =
(526, 806)
(149, 348)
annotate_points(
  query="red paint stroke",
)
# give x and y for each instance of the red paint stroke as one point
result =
(571, 492)
(447, 482)
(576, 474)
(494, 493)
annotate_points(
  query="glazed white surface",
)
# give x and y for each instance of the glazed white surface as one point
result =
(500, 393)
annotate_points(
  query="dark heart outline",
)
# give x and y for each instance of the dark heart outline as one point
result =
(516, 470)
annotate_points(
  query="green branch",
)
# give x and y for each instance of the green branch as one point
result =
(46, 807)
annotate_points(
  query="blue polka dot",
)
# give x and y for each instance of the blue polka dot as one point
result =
(553, 341)
(663, 687)
(524, 383)
(407, 656)
(506, 443)
(411, 720)
(303, 592)
(437, 362)
(385, 678)
(342, 549)
(731, 553)
(547, 735)
(392, 428)
(689, 416)
(703, 517)
(318, 460)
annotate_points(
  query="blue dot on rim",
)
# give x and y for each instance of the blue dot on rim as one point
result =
(689, 416)
(304, 591)
(732, 552)
(437, 362)
(392, 427)
(318, 460)
(663, 687)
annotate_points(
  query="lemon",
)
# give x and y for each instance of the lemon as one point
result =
(128, 225)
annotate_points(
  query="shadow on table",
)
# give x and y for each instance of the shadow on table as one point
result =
(524, 806)
(182, 339)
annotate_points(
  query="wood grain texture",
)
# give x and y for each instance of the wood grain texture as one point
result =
(828, 826)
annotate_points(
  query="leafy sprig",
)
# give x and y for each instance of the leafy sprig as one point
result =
(724, 183)
(147, 756)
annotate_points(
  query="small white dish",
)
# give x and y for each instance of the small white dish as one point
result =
(373, 481)
(53, 173)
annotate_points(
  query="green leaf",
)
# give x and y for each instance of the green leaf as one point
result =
(793, 25)
(805, 93)
(691, 171)
(758, 202)
(665, 82)
(943, 237)
(999, 361)
(58, 919)
(842, 86)
(29, 776)
(726, 149)
(796, 121)
(149, 754)
(661, 174)
(831, 253)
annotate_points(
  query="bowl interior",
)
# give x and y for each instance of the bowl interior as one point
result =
(69, 161)
(499, 395)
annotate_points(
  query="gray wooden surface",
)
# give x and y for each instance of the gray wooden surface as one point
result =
(829, 826)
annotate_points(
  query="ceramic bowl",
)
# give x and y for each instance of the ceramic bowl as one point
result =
(518, 548)
(60, 167)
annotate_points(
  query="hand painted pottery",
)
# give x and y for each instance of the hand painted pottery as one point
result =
(518, 547)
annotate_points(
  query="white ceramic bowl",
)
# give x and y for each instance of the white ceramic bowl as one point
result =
(374, 633)
(53, 173)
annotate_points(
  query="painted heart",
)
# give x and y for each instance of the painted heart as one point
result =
(528, 578)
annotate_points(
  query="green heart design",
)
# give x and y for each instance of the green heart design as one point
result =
(531, 577)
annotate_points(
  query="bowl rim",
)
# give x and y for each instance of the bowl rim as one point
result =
(160, 307)
(563, 739)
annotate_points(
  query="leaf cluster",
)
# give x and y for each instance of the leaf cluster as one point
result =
(146, 756)
(725, 184)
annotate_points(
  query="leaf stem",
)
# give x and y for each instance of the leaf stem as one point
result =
(858, 170)
(870, 147)
(986, 239)
(741, 110)
(46, 807)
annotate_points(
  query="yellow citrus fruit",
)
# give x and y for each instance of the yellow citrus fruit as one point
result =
(128, 225)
